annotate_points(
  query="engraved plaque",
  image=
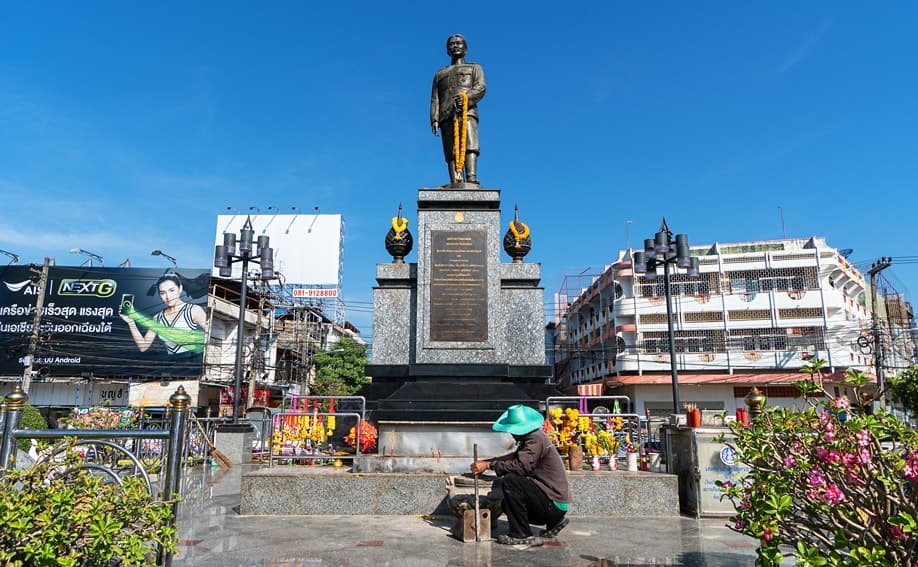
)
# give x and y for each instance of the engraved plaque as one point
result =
(458, 286)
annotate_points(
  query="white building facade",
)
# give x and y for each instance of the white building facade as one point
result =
(754, 316)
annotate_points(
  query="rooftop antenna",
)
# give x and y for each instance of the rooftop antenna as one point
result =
(783, 231)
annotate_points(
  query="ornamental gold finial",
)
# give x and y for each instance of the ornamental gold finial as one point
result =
(180, 399)
(17, 399)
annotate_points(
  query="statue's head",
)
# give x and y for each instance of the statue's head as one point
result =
(456, 45)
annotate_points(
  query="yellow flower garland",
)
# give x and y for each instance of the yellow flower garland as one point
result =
(459, 146)
(519, 234)
(399, 227)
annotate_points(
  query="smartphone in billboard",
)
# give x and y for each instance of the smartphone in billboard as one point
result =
(127, 303)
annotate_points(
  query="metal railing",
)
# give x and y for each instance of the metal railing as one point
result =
(101, 451)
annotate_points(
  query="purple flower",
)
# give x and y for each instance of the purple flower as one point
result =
(862, 438)
(817, 479)
(789, 461)
(841, 403)
(740, 525)
(897, 534)
(833, 495)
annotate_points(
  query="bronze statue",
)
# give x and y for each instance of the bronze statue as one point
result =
(454, 102)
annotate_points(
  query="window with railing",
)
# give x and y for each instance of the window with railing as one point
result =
(773, 279)
(679, 284)
(684, 341)
(797, 338)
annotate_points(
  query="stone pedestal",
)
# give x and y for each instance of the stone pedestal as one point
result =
(235, 442)
(459, 335)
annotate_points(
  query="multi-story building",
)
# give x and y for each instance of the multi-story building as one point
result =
(754, 316)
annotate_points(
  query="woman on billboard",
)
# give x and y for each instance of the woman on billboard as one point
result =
(181, 325)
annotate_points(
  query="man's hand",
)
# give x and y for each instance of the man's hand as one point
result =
(479, 467)
(434, 127)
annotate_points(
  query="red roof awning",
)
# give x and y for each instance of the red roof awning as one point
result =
(732, 379)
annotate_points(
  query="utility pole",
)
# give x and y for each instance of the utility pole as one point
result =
(875, 269)
(255, 367)
(36, 322)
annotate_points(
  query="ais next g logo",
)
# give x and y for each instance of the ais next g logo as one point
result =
(92, 288)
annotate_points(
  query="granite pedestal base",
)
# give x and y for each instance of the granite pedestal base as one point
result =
(235, 442)
(314, 490)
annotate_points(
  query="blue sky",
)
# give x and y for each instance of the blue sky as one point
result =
(127, 127)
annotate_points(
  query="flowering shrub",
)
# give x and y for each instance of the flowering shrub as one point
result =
(828, 485)
(102, 418)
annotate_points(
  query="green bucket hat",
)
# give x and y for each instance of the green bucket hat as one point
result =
(518, 420)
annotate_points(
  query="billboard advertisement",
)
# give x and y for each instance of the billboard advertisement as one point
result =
(104, 321)
(307, 248)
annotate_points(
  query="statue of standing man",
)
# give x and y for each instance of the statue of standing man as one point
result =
(454, 110)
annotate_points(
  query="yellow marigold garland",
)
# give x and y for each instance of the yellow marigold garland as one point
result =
(517, 233)
(459, 140)
(399, 227)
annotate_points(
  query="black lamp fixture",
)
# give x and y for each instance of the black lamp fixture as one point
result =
(91, 256)
(663, 250)
(14, 258)
(246, 249)
(167, 257)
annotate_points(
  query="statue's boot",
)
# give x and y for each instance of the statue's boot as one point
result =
(471, 168)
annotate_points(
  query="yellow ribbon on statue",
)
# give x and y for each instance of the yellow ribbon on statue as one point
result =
(459, 140)
(399, 227)
(519, 234)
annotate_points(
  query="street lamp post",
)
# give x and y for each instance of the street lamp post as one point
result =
(91, 256)
(227, 254)
(167, 257)
(14, 258)
(663, 250)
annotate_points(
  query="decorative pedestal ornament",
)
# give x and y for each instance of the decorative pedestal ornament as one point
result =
(517, 241)
(399, 241)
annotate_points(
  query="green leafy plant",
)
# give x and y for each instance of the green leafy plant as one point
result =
(340, 371)
(58, 514)
(904, 388)
(31, 419)
(829, 485)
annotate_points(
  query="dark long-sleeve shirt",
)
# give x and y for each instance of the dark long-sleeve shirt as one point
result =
(537, 458)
